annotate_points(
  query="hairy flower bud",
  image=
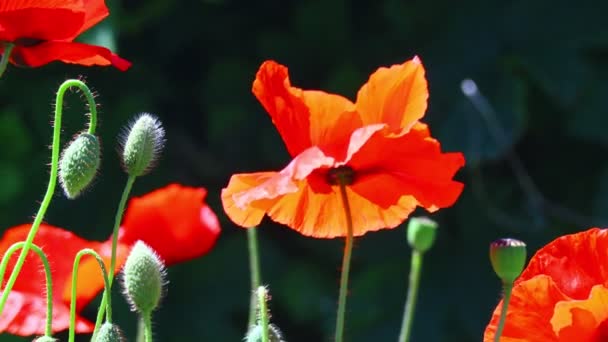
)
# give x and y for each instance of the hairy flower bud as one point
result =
(508, 257)
(255, 334)
(142, 145)
(421, 232)
(45, 339)
(79, 164)
(109, 332)
(143, 278)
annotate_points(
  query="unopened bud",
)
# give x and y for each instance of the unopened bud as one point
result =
(45, 339)
(421, 232)
(144, 278)
(109, 332)
(508, 257)
(79, 163)
(255, 334)
(142, 145)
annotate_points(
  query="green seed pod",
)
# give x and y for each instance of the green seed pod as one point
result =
(255, 334)
(109, 332)
(143, 278)
(142, 145)
(79, 164)
(421, 232)
(45, 339)
(508, 257)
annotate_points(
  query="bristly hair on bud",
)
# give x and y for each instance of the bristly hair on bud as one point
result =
(143, 279)
(109, 332)
(255, 334)
(45, 339)
(141, 144)
(79, 164)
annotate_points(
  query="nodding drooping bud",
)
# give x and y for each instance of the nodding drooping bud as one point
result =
(508, 257)
(255, 334)
(109, 332)
(421, 232)
(45, 339)
(142, 145)
(143, 278)
(79, 164)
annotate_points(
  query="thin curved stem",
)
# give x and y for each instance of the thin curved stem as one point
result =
(348, 248)
(117, 219)
(503, 311)
(262, 295)
(412, 293)
(147, 327)
(6, 56)
(48, 196)
(254, 266)
(106, 283)
(48, 330)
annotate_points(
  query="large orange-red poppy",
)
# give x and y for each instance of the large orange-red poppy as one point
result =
(174, 221)
(392, 161)
(43, 31)
(562, 295)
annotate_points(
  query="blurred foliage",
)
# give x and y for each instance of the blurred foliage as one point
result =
(542, 67)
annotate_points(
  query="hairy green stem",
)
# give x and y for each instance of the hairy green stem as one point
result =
(147, 326)
(6, 56)
(106, 283)
(412, 293)
(48, 331)
(348, 248)
(262, 296)
(117, 219)
(503, 311)
(254, 266)
(46, 201)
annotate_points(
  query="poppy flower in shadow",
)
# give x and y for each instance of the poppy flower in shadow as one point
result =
(43, 31)
(174, 221)
(562, 295)
(378, 145)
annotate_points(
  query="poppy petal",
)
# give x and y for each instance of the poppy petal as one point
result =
(174, 221)
(67, 52)
(390, 167)
(305, 118)
(396, 96)
(573, 261)
(46, 20)
(96, 11)
(252, 213)
(578, 320)
(529, 313)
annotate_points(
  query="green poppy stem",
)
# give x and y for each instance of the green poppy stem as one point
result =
(48, 330)
(503, 311)
(6, 56)
(412, 293)
(147, 326)
(106, 283)
(117, 219)
(46, 201)
(262, 296)
(254, 265)
(345, 263)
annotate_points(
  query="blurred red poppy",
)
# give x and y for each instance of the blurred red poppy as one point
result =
(392, 162)
(562, 295)
(44, 31)
(175, 221)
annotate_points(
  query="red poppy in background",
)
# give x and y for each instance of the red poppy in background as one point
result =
(43, 31)
(392, 161)
(562, 295)
(175, 221)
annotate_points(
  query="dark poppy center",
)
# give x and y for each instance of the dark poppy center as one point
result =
(341, 175)
(27, 42)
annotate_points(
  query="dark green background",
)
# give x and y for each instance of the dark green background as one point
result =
(542, 65)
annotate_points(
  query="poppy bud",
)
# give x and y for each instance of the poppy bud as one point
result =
(421, 232)
(255, 334)
(109, 332)
(144, 278)
(45, 339)
(508, 257)
(142, 145)
(79, 163)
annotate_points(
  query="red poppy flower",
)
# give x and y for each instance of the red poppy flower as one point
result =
(562, 295)
(393, 162)
(44, 31)
(174, 221)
